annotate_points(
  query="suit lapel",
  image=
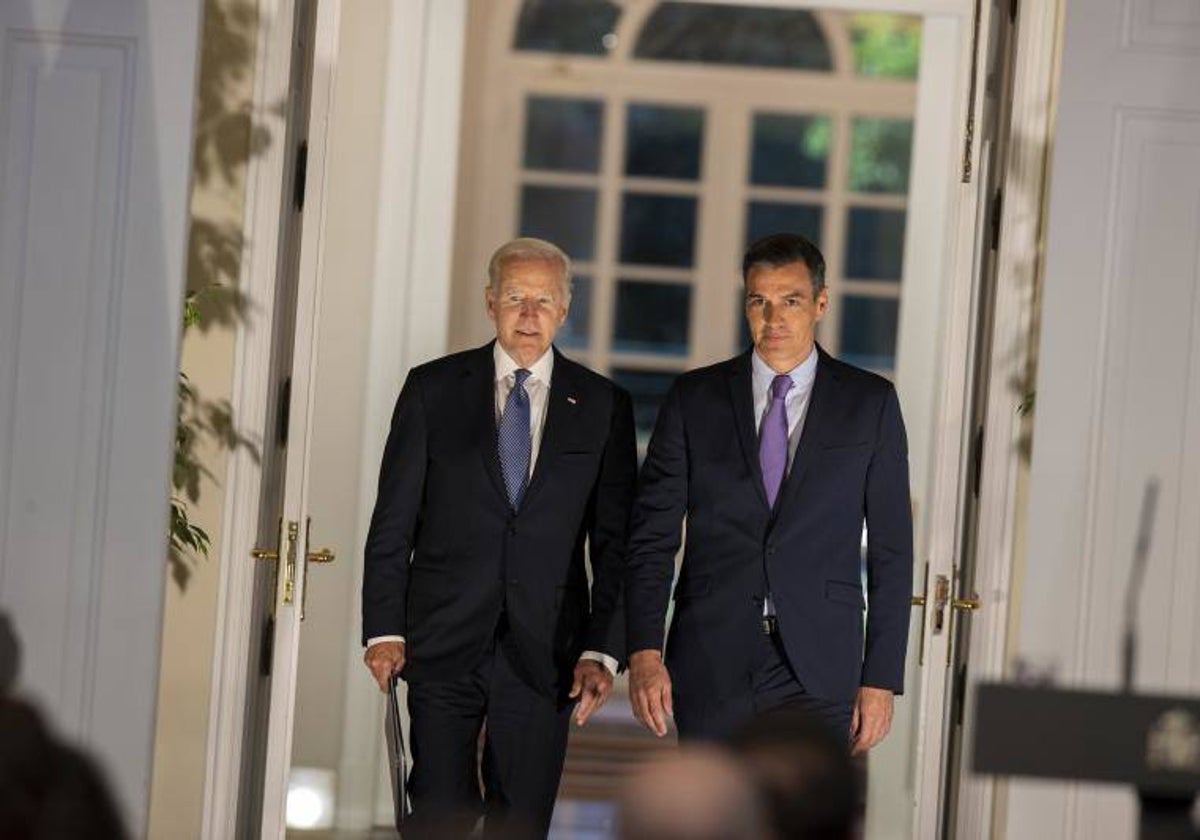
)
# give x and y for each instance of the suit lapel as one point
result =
(562, 404)
(479, 402)
(824, 392)
(741, 393)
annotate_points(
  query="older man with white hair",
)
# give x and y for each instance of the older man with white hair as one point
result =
(502, 464)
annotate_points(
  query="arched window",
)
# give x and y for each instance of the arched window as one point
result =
(654, 141)
(743, 35)
(578, 27)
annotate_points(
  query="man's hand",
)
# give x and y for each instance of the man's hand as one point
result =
(872, 718)
(650, 690)
(384, 659)
(593, 683)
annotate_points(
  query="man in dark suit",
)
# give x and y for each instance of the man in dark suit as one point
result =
(501, 464)
(776, 457)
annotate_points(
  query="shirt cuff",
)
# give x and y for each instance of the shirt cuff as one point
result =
(603, 658)
(374, 640)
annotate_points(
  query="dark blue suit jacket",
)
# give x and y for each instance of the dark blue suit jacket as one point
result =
(851, 465)
(446, 553)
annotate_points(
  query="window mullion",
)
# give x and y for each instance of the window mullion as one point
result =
(604, 280)
(833, 234)
(722, 222)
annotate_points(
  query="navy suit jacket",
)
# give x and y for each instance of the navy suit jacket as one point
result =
(446, 553)
(851, 465)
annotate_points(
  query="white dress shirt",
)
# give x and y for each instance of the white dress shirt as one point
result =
(537, 385)
(803, 375)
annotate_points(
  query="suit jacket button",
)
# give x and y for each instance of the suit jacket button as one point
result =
(512, 529)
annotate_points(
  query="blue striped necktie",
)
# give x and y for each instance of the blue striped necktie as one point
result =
(516, 443)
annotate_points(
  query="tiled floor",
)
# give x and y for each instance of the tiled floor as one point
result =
(573, 820)
(597, 758)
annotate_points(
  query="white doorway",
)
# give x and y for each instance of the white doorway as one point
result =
(395, 309)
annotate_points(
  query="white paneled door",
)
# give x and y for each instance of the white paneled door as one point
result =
(96, 104)
(1118, 390)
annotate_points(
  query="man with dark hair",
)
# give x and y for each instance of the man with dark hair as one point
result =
(776, 457)
(503, 463)
(803, 773)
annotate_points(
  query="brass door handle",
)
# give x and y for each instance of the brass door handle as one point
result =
(920, 601)
(966, 605)
(325, 555)
(289, 555)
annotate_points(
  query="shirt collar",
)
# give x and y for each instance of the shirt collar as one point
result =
(540, 370)
(802, 374)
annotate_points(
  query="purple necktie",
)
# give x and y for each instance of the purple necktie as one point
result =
(773, 438)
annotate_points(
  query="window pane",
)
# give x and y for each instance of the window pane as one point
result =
(647, 388)
(566, 26)
(578, 327)
(663, 142)
(880, 151)
(658, 229)
(887, 46)
(652, 317)
(715, 33)
(869, 331)
(875, 244)
(764, 218)
(565, 216)
(563, 134)
(790, 150)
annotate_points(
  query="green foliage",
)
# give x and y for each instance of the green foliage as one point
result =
(1025, 407)
(818, 137)
(886, 46)
(186, 538)
(199, 422)
(880, 154)
(225, 139)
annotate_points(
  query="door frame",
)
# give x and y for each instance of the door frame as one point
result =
(265, 178)
(292, 577)
(1003, 470)
(419, 164)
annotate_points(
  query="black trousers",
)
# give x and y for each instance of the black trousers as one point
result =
(524, 746)
(772, 684)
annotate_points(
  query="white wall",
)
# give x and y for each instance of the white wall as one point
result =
(95, 148)
(1118, 385)
(384, 308)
